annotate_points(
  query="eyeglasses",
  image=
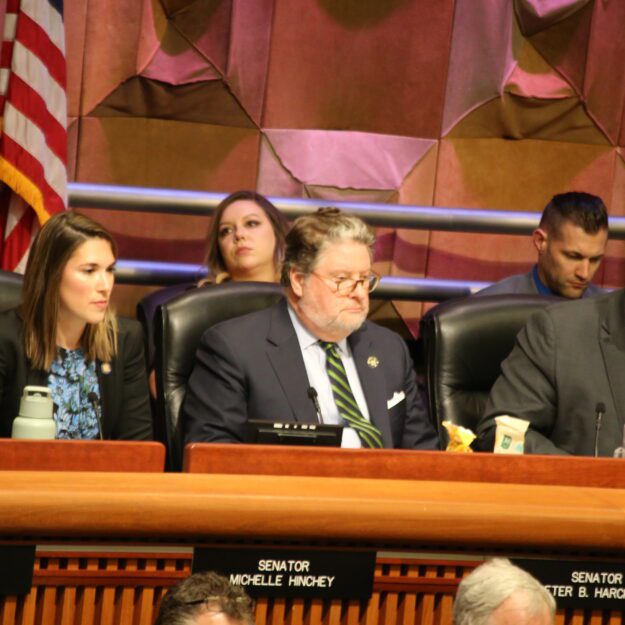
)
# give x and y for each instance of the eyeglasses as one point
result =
(346, 286)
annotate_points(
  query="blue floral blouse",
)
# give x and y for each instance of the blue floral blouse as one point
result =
(71, 380)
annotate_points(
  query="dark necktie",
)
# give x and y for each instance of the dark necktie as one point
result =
(345, 401)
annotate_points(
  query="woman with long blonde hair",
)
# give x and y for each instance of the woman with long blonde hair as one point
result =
(66, 337)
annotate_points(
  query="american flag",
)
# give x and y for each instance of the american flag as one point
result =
(33, 143)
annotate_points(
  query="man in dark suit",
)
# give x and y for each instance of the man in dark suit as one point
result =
(570, 241)
(264, 365)
(565, 376)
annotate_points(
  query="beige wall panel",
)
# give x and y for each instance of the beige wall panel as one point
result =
(409, 254)
(205, 24)
(478, 257)
(332, 194)
(418, 185)
(518, 175)
(614, 265)
(125, 298)
(273, 177)
(617, 205)
(604, 87)
(564, 120)
(174, 61)
(157, 153)
(248, 59)
(113, 34)
(480, 56)
(165, 153)
(75, 19)
(359, 65)
(73, 131)
(563, 43)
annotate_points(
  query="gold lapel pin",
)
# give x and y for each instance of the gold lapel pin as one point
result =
(106, 368)
(373, 361)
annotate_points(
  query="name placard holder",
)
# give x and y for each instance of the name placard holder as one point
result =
(292, 572)
(16, 569)
(580, 584)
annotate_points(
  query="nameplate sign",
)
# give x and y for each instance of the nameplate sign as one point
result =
(293, 572)
(580, 584)
(16, 569)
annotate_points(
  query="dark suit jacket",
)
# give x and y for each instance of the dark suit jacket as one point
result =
(567, 359)
(524, 283)
(252, 367)
(123, 391)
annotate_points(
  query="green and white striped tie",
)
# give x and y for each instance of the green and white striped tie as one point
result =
(345, 401)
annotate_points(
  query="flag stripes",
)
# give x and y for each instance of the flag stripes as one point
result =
(20, 230)
(33, 100)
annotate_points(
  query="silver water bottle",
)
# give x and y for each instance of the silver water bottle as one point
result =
(35, 419)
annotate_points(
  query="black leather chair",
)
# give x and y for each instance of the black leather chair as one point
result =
(465, 342)
(179, 325)
(10, 289)
(146, 314)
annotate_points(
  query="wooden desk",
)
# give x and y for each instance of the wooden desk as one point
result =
(404, 465)
(110, 544)
(125, 456)
(390, 513)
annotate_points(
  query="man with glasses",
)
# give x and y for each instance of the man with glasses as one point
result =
(314, 357)
(205, 599)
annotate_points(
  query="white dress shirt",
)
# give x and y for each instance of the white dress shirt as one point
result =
(315, 363)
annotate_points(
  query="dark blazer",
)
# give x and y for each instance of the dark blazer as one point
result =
(567, 359)
(123, 390)
(252, 367)
(524, 283)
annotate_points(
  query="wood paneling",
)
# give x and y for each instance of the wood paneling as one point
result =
(110, 544)
(403, 464)
(304, 509)
(421, 592)
(66, 455)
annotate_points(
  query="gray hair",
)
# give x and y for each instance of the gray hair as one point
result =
(489, 585)
(310, 235)
(203, 593)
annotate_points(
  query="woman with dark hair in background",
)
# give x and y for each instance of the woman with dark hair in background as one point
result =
(246, 239)
(245, 243)
(66, 337)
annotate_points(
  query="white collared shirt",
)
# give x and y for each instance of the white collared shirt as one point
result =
(315, 363)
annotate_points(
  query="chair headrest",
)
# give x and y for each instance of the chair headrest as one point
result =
(180, 324)
(10, 289)
(465, 343)
(474, 335)
(182, 321)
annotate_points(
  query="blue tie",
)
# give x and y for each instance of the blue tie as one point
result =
(344, 399)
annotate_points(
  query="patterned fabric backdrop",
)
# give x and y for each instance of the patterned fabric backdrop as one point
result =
(474, 103)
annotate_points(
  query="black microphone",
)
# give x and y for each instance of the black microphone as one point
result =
(599, 412)
(312, 393)
(94, 400)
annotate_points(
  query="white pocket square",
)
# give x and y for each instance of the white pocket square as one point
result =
(397, 397)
